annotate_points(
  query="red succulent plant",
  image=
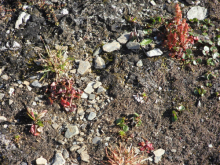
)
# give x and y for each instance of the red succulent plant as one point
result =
(146, 145)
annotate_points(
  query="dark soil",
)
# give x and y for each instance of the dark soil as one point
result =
(167, 82)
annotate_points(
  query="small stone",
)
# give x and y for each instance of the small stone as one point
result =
(64, 12)
(85, 156)
(154, 52)
(41, 161)
(101, 89)
(59, 47)
(110, 47)
(91, 116)
(29, 88)
(15, 46)
(84, 67)
(133, 45)
(10, 101)
(11, 91)
(199, 104)
(139, 63)
(83, 148)
(99, 63)
(97, 84)
(210, 146)
(2, 96)
(153, 3)
(55, 126)
(173, 150)
(96, 140)
(123, 39)
(59, 160)
(84, 96)
(136, 150)
(89, 89)
(65, 154)
(36, 83)
(80, 111)
(5, 77)
(73, 71)
(159, 152)
(91, 96)
(97, 52)
(197, 12)
(71, 131)
(2, 119)
(74, 147)
(23, 17)
(26, 83)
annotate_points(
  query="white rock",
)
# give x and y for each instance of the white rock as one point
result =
(2, 96)
(11, 91)
(85, 156)
(97, 84)
(99, 63)
(159, 152)
(123, 39)
(89, 89)
(210, 146)
(23, 17)
(91, 116)
(59, 160)
(154, 52)
(197, 12)
(2, 119)
(41, 161)
(74, 148)
(152, 3)
(5, 77)
(110, 47)
(139, 63)
(84, 96)
(133, 45)
(64, 12)
(84, 67)
(71, 131)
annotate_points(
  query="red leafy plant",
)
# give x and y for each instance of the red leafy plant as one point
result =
(178, 38)
(64, 91)
(123, 156)
(146, 145)
(37, 127)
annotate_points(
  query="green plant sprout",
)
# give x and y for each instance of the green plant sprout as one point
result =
(209, 75)
(137, 119)
(200, 91)
(174, 116)
(178, 109)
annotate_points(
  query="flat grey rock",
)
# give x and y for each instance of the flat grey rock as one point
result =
(65, 154)
(36, 83)
(84, 67)
(110, 47)
(123, 39)
(154, 52)
(91, 116)
(85, 156)
(197, 12)
(71, 131)
(97, 52)
(133, 45)
(84, 96)
(99, 63)
(101, 89)
(91, 96)
(59, 160)
(89, 89)
(96, 140)
(74, 147)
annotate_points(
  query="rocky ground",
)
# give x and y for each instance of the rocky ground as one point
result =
(114, 76)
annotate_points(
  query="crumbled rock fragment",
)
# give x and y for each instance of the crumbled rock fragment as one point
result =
(154, 52)
(89, 89)
(197, 12)
(91, 116)
(99, 63)
(2, 119)
(123, 39)
(84, 67)
(41, 161)
(133, 45)
(110, 47)
(72, 130)
(59, 160)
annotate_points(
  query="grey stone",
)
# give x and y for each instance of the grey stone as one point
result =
(41, 161)
(65, 154)
(96, 140)
(15, 46)
(10, 101)
(139, 63)
(91, 96)
(84, 96)
(59, 160)
(2, 96)
(74, 147)
(123, 39)
(80, 111)
(173, 150)
(55, 125)
(80, 139)
(153, 3)
(89, 89)
(71, 131)
(85, 156)
(197, 12)
(101, 89)
(83, 148)
(24, 163)
(36, 83)
(91, 116)
(5, 77)
(99, 63)
(84, 67)
(2, 119)
(97, 84)
(133, 45)
(98, 51)
(23, 17)
(110, 47)
(154, 52)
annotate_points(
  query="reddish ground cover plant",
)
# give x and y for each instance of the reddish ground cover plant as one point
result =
(37, 127)
(64, 91)
(178, 38)
(146, 145)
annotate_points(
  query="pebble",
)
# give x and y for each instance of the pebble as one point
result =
(2, 96)
(158, 154)
(5, 77)
(11, 91)
(199, 104)
(10, 101)
(110, 47)
(59, 160)
(154, 52)
(91, 96)
(36, 83)
(197, 12)
(133, 45)
(15, 46)
(55, 126)
(91, 116)
(210, 146)
(26, 83)
(23, 17)
(153, 3)
(29, 88)
(139, 63)
(64, 12)
(123, 39)
(101, 89)
(96, 140)
(97, 52)
(41, 161)
(71, 131)
(89, 89)
(65, 154)
(97, 84)
(173, 150)
(83, 148)
(84, 67)
(2, 119)
(74, 147)
(85, 156)
(80, 139)
(99, 63)
(84, 96)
